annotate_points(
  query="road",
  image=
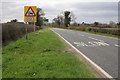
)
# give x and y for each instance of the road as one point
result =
(101, 50)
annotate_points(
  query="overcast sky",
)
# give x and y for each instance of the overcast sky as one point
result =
(88, 11)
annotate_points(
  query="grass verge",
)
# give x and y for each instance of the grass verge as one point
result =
(43, 57)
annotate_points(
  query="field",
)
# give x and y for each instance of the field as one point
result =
(44, 57)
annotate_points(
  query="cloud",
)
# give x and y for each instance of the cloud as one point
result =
(102, 12)
(59, 1)
(10, 10)
(84, 11)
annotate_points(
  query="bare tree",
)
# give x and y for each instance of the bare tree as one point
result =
(64, 18)
(59, 20)
(14, 20)
(40, 14)
(68, 17)
(112, 22)
(96, 23)
(73, 18)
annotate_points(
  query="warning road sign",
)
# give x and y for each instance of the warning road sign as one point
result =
(30, 13)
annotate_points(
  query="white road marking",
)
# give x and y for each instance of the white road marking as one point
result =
(117, 45)
(93, 63)
(80, 44)
(83, 44)
(82, 35)
(101, 43)
(96, 39)
(91, 44)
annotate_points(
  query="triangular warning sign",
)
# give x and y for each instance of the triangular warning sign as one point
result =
(30, 12)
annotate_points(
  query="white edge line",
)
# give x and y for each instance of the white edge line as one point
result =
(98, 67)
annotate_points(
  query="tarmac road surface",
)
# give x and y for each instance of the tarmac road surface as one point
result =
(102, 50)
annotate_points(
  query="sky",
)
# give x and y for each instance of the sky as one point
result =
(87, 11)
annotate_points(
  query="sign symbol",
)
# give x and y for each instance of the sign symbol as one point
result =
(30, 13)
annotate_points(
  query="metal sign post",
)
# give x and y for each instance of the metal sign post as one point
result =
(26, 32)
(34, 31)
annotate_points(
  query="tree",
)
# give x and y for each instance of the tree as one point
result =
(83, 23)
(118, 24)
(68, 17)
(58, 20)
(40, 14)
(96, 23)
(112, 22)
(65, 18)
(14, 20)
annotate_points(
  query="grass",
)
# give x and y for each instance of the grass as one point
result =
(110, 35)
(43, 57)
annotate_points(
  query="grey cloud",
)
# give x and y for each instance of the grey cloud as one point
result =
(93, 10)
(84, 11)
(97, 6)
(10, 10)
(105, 11)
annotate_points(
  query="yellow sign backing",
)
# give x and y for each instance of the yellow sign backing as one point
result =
(30, 13)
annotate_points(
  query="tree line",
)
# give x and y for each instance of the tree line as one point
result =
(66, 17)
